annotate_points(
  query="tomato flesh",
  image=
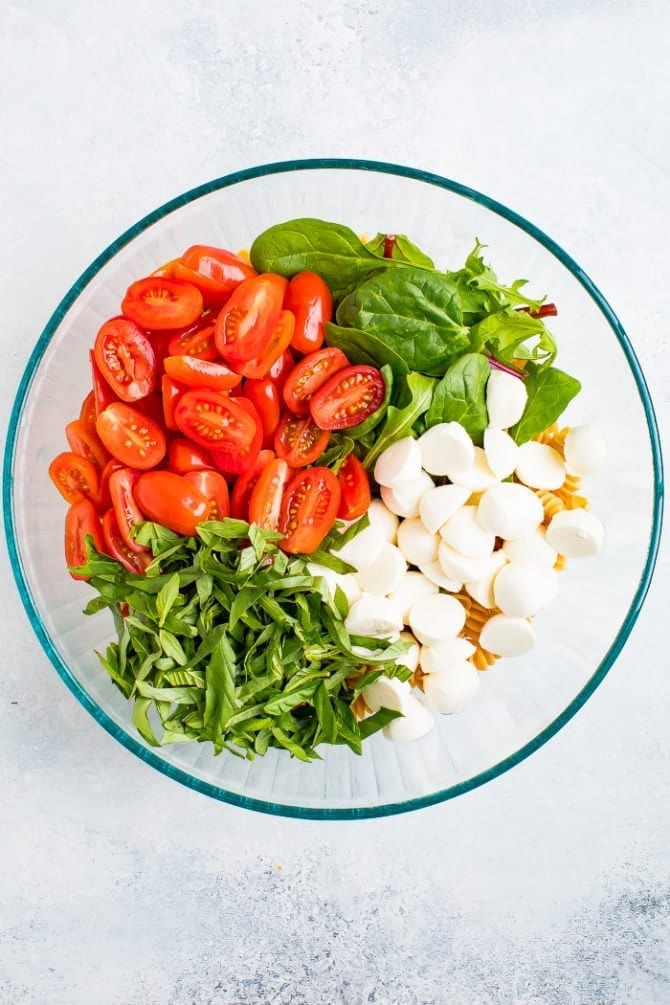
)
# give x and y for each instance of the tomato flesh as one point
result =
(87, 412)
(309, 509)
(264, 396)
(116, 547)
(198, 340)
(80, 521)
(103, 500)
(75, 477)
(311, 301)
(354, 489)
(242, 458)
(281, 368)
(245, 484)
(309, 375)
(214, 420)
(194, 372)
(184, 456)
(265, 501)
(215, 488)
(299, 441)
(275, 350)
(126, 510)
(125, 359)
(247, 321)
(160, 303)
(348, 398)
(133, 438)
(172, 501)
(84, 440)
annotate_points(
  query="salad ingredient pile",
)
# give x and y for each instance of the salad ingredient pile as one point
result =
(321, 490)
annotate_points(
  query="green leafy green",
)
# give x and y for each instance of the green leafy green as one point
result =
(481, 293)
(402, 249)
(511, 334)
(550, 391)
(366, 348)
(461, 395)
(399, 421)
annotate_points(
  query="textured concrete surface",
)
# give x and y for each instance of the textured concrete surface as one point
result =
(549, 885)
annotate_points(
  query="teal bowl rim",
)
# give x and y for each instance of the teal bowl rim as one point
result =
(133, 744)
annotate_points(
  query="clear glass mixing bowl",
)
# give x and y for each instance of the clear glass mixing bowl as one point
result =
(522, 702)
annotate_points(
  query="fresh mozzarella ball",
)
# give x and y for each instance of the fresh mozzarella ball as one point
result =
(521, 589)
(481, 589)
(540, 466)
(375, 617)
(576, 533)
(507, 636)
(416, 543)
(466, 535)
(435, 573)
(506, 398)
(349, 586)
(434, 659)
(510, 511)
(531, 548)
(381, 515)
(446, 449)
(440, 503)
(387, 692)
(404, 499)
(436, 618)
(346, 582)
(364, 548)
(413, 587)
(411, 657)
(401, 462)
(450, 690)
(479, 476)
(415, 722)
(585, 450)
(386, 572)
(459, 567)
(501, 452)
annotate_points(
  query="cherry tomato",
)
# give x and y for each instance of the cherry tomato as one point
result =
(172, 501)
(102, 393)
(198, 340)
(167, 269)
(152, 407)
(84, 440)
(219, 271)
(264, 396)
(348, 397)
(80, 521)
(74, 477)
(281, 368)
(196, 372)
(158, 303)
(125, 358)
(309, 375)
(214, 420)
(354, 489)
(126, 510)
(87, 412)
(308, 510)
(239, 459)
(215, 488)
(276, 348)
(171, 393)
(246, 323)
(299, 441)
(103, 499)
(311, 301)
(131, 437)
(245, 483)
(184, 456)
(160, 343)
(265, 501)
(116, 547)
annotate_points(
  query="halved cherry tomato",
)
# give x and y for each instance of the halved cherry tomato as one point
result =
(214, 420)
(264, 396)
(103, 395)
(152, 407)
(158, 303)
(172, 501)
(131, 437)
(87, 412)
(160, 343)
(309, 375)
(126, 360)
(354, 489)
(198, 340)
(215, 488)
(299, 441)
(308, 511)
(265, 502)
(236, 460)
(80, 521)
(275, 349)
(245, 484)
(117, 548)
(185, 455)
(219, 271)
(246, 324)
(281, 368)
(126, 510)
(84, 440)
(348, 397)
(311, 301)
(103, 499)
(74, 477)
(171, 393)
(212, 294)
(196, 372)
(167, 269)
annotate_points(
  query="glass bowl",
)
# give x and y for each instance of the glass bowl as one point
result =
(522, 702)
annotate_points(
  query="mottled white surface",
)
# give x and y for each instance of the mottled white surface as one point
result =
(549, 885)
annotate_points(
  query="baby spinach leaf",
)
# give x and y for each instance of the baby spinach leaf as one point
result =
(399, 421)
(550, 390)
(366, 348)
(461, 395)
(403, 250)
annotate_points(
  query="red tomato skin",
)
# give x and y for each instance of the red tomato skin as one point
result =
(171, 392)
(120, 425)
(214, 420)
(159, 303)
(245, 483)
(87, 412)
(265, 501)
(298, 440)
(81, 520)
(84, 440)
(123, 357)
(348, 398)
(248, 320)
(239, 460)
(222, 269)
(103, 500)
(355, 494)
(215, 488)
(281, 368)
(126, 510)
(194, 372)
(311, 301)
(308, 511)
(198, 340)
(117, 548)
(264, 396)
(75, 477)
(309, 375)
(275, 349)
(171, 500)
(185, 455)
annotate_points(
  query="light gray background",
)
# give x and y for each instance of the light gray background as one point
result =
(549, 885)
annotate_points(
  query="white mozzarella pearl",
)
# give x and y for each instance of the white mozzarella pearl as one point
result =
(440, 503)
(414, 587)
(479, 476)
(540, 466)
(501, 452)
(416, 543)
(380, 515)
(531, 548)
(386, 572)
(401, 462)
(465, 534)
(450, 690)
(403, 499)
(436, 618)
(434, 659)
(510, 511)
(446, 449)
(521, 589)
(585, 450)
(415, 722)
(374, 617)
(507, 636)
(576, 533)
(506, 398)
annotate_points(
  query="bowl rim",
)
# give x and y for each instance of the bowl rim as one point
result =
(145, 753)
